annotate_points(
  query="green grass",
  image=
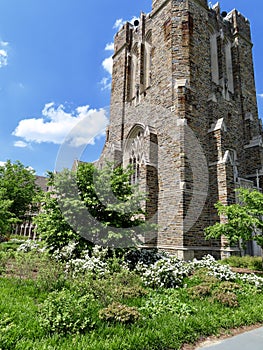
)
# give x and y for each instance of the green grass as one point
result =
(21, 298)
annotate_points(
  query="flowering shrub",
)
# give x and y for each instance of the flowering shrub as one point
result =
(252, 279)
(146, 256)
(167, 272)
(95, 264)
(29, 246)
(222, 272)
(66, 252)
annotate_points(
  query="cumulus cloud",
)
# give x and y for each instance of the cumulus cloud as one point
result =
(3, 53)
(2, 163)
(57, 126)
(21, 144)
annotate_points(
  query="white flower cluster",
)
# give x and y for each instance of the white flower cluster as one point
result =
(95, 264)
(66, 252)
(222, 272)
(252, 279)
(29, 245)
(167, 272)
(20, 241)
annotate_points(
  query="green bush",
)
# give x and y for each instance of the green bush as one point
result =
(250, 262)
(227, 286)
(164, 302)
(51, 276)
(114, 288)
(227, 299)
(117, 312)
(64, 312)
(3, 260)
(200, 291)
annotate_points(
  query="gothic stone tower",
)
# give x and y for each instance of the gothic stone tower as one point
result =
(184, 114)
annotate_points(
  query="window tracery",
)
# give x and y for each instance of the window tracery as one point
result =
(135, 153)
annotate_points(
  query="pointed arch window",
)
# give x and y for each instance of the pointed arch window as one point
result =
(133, 71)
(229, 66)
(147, 59)
(134, 153)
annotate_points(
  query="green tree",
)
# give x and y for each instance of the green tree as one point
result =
(17, 192)
(244, 221)
(100, 206)
(6, 217)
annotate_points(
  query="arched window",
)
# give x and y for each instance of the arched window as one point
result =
(147, 59)
(221, 51)
(134, 152)
(134, 71)
(229, 67)
(214, 57)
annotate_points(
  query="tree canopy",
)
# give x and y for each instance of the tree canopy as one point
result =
(244, 220)
(17, 192)
(99, 206)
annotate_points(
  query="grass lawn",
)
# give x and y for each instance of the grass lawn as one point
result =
(43, 308)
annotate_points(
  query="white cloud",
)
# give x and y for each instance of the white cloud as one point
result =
(3, 53)
(2, 163)
(118, 23)
(105, 83)
(20, 144)
(260, 95)
(107, 64)
(3, 58)
(57, 125)
(109, 47)
(3, 43)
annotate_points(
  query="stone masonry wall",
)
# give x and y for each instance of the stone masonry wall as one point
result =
(198, 116)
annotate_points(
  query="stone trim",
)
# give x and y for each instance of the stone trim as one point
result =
(218, 125)
(195, 248)
(256, 141)
(237, 35)
(119, 50)
(181, 83)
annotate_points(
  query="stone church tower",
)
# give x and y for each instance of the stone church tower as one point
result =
(184, 115)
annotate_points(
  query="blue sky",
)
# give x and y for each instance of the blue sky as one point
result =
(55, 71)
